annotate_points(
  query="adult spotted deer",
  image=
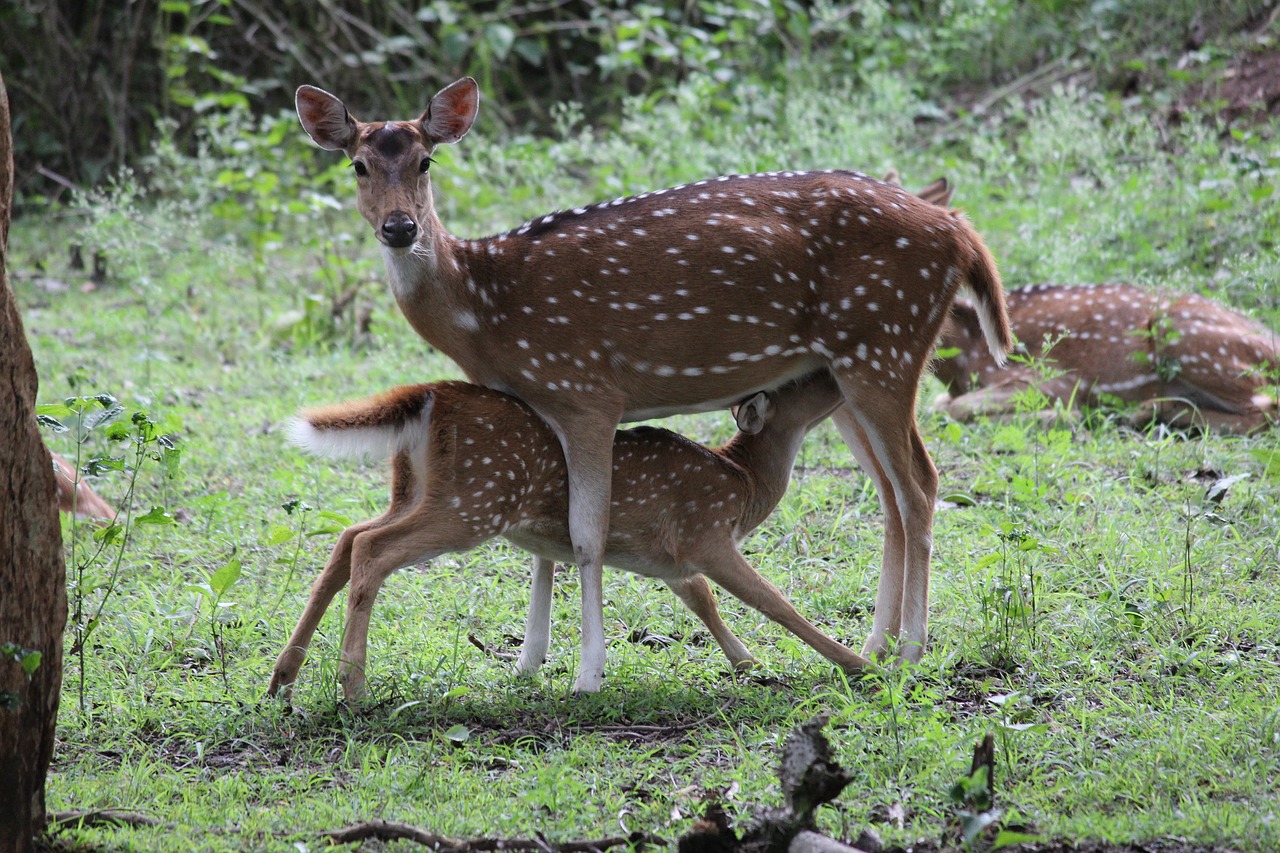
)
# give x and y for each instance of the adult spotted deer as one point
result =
(1186, 360)
(472, 464)
(680, 300)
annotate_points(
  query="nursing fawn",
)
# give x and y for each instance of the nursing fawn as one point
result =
(471, 464)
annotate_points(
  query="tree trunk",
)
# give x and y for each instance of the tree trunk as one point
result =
(33, 594)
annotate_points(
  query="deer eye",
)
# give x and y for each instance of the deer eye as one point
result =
(425, 165)
(361, 169)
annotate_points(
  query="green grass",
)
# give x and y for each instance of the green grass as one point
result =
(1135, 697)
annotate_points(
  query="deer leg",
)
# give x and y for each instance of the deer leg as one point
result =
(696, 594)
(537, 629)
(333, 578)
(588, 453)
(730, 570)
(908, 483)
(992, 401)
(375, 554)
(1184, 414)
(888, 610)
(915, 598)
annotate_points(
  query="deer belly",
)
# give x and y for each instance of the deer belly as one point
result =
(639, 553)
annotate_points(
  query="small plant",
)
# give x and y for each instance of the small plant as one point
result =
(29, 660)
(1160, 335)
(106, 555)
(1009, 600)
(977, 816)
(221, 613)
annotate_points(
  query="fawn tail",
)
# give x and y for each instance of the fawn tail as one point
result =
(375, 427)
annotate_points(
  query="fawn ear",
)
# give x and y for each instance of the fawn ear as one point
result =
(451, 112)
(325, 119)
(752, 413)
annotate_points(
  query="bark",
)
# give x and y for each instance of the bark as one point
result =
(33, 600)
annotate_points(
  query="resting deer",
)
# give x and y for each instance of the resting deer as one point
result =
(472, 464)
(682, 300)
(75, 495)
(1186, 360)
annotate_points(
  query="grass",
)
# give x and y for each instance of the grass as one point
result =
(1096, 604)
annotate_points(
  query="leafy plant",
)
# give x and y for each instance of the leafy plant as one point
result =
(94, 573)
(221, 613)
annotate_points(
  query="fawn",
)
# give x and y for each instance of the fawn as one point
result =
(471, 464)
(681, 300)
(1186, 360)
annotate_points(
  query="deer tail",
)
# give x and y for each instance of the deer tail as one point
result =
(983, 284)
(375, 427)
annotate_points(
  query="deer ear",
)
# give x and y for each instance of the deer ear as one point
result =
(451, 112)
(752, 413)
(325, 119)
(939, 192)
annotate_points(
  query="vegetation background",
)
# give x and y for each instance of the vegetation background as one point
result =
(191, 271)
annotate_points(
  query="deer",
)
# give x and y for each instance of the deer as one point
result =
(679, 300)
(1185, 360)
(471, 464)
(76, 497)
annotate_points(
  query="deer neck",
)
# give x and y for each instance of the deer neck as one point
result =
(765, 460)
(434, 288)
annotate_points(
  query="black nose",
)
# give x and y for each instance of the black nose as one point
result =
(399, 230)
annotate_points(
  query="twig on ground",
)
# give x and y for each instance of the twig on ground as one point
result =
(387, 831)
(98, 817)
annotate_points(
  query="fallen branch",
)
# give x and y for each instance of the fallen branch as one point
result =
(809, 777)
(388, 831)
(98, 817)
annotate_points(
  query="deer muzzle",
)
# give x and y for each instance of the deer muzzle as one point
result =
(399, 230)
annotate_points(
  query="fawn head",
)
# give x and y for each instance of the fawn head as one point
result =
(391, 159)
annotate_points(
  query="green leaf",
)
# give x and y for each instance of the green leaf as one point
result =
(1008, 837)
(337, 518)
(458, 735)
(31, 662)
(224, 578)
(109, 535)
(960, 499)
(1270, 459)
(51, 422)
(157, 515)
(277, 534)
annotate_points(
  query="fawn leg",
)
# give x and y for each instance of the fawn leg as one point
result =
(696, 593)
(731, 570)
(537, 629)
(333, 578)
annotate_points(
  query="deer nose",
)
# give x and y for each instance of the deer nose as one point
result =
(399, 230)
